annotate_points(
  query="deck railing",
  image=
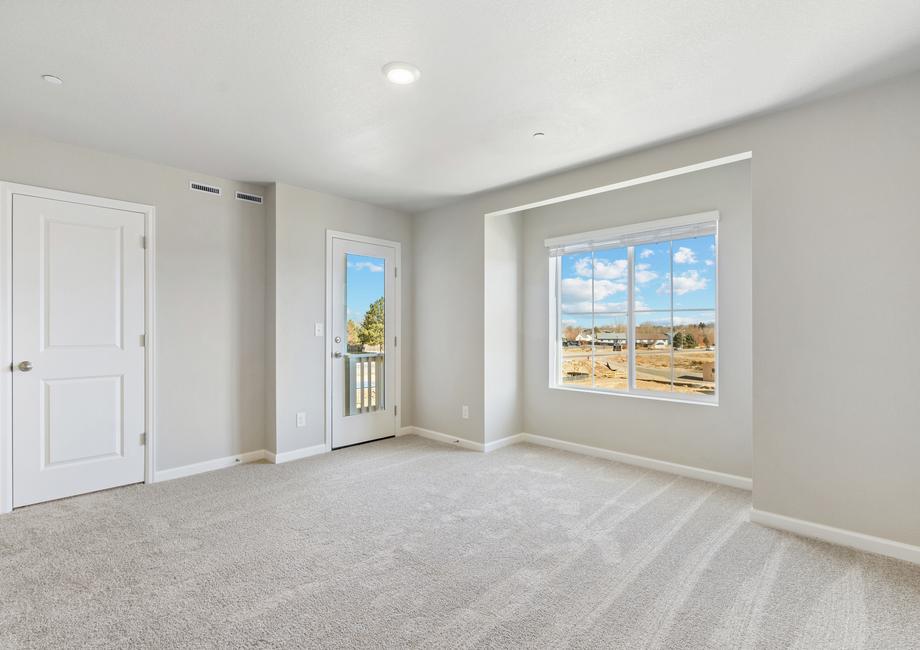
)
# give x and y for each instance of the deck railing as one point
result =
(364, 382)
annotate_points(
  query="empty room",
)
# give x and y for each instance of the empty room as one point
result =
(429, 324)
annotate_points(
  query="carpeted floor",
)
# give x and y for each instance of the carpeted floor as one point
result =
(408, 542)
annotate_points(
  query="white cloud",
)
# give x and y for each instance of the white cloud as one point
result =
(578, 307)
(603, 269)
(580, 289)
(688, 281)
(369, 266)
(646, 252)
(710, 263)
(584, 307)
(689, 320)
(643, 274)
(685, 255)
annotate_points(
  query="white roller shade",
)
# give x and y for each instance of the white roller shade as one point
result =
(692, 225)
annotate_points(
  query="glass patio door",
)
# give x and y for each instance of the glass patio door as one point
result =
(364, 338)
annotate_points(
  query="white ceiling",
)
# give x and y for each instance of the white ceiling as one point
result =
(291, 90)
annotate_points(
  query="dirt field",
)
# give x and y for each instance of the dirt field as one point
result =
(653, 370)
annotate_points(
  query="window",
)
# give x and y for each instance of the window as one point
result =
(633, 310)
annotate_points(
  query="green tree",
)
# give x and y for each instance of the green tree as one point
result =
(678, 340)
(371, 331)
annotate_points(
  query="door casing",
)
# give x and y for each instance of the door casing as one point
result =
(396, 391)
(7, 191)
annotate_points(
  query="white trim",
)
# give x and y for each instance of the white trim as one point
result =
(504, 442)
(150, 339)
(732, 480)
(209, 465)
(7, 190)
(611, 234)
(640, 394)
(296, 454)
(396, 390)
(650, 178)
(441, 437)
(839, 536)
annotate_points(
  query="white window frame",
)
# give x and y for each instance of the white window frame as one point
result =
(660, 230)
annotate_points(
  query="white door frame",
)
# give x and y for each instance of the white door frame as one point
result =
(7, 190)
(397, 307)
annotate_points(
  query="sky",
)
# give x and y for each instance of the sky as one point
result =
(364, 283)
(693, 285)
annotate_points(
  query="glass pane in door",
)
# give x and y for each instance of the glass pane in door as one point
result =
(365, 300)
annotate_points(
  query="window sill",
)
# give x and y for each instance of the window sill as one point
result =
(634, 395)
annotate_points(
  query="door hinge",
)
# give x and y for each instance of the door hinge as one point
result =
(395, 271)
(143, 340)
(143, 242)
(395, 410)
(143, 439)
(395, 341)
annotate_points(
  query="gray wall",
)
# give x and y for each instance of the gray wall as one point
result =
(690, 434)
(836, 218)
(449, 332)
(299, 220)
(210, 291)
(504, 309)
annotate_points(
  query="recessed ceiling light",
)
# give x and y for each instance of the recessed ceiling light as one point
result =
(401, 73)
(539, 134)
(51, 79)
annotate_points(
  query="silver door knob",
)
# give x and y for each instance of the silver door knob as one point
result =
(337, 355)
(25, 366)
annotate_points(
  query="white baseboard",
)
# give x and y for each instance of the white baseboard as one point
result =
(208, 465)
(504, 442)
(839, 536)
(442, 437)
(295, 454)
(732, 480)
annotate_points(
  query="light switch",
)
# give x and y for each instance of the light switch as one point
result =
(465, 412)
(318, 329)
(301, 419)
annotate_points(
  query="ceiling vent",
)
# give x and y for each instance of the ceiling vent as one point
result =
(207, 189)
(249, 198)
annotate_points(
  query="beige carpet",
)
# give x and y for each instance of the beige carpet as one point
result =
(407, 542)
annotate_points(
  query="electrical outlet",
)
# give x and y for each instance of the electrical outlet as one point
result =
(301, 419)
(317, 329)
(465, 412)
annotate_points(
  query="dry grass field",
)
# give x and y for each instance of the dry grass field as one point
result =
(653, 369)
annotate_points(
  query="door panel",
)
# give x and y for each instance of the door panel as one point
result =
(78, 319)
(364, 331)
(71, 433)
(82, 285)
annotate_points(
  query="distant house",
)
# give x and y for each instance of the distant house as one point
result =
(659, 341)
(616, 340)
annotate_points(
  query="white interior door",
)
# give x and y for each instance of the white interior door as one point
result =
(78, 355)
(365, 331)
